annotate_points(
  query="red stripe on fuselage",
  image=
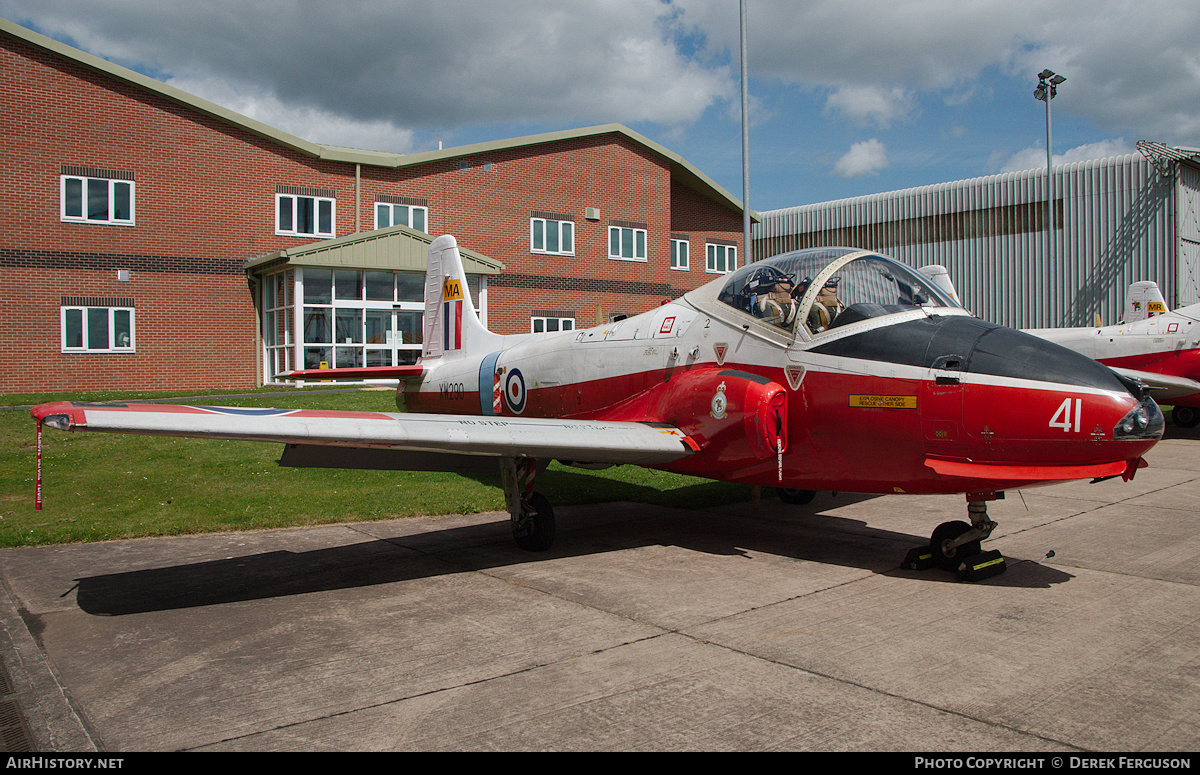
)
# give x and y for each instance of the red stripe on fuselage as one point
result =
(871, 446)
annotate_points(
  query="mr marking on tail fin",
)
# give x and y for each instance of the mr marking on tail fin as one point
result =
(1143, 301)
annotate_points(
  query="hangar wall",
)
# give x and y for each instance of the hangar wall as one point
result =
(1117, 220)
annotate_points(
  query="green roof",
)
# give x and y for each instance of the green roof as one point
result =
(396, 248)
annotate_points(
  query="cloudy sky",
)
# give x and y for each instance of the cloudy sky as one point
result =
(847, 97)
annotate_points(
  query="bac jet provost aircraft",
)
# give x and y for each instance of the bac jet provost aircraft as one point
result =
(1158, 346)
(822, 369)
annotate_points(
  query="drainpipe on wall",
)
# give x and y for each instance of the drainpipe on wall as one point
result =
(357, 198)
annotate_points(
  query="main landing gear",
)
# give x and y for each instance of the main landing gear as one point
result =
(956, 546)
(532, 516)
(1185, 416)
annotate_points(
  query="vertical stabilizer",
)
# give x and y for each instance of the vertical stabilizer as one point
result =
(940, 278)
(1144, 300)
(451, 325)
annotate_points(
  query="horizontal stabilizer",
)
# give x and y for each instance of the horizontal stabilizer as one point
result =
(1164, 388)
(583, 441)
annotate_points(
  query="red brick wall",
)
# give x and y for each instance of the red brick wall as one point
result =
(205, 198)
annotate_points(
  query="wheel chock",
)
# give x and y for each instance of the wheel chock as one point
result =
(920, 558)
(982, 566)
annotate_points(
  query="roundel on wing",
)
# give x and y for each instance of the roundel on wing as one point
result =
(514, 391)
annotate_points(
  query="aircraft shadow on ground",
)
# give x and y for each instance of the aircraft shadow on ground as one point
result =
(802, 533)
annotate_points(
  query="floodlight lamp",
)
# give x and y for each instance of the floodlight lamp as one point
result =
(1056, 80)
(1045, 74)
(1040, 93)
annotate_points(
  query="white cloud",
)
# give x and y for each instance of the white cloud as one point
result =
(865, 158)
(1132, 68)
(870, 104)
(304, 121)
(1035, 158)
(405, 64)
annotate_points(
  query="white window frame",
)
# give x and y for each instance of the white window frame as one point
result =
(717, 256)
(562, 324)
(67, 204)
(408, 220)
(294, 206)
(680, 254)
(637, 246)
(541, 228)
(88, 346)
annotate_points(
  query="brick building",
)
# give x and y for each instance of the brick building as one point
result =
(153, 240)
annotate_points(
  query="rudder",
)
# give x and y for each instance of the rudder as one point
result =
(451, 325)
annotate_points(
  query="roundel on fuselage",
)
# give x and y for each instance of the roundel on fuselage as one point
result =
(514, 391)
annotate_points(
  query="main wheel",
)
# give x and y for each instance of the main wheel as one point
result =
(535, 531)
(1185, 416)
(796, 497)
(946, 556)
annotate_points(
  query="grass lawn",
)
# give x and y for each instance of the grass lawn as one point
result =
(102, 486)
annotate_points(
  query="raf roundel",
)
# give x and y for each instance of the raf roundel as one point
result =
(514, 391)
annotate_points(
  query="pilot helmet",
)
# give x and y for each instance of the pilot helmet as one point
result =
(764, 279)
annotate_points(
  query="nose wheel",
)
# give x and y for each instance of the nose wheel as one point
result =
(946, 547)
(957, 546)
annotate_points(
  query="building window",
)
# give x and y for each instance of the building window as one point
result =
(540, 325)
(100, 200)
(322, 317)
(305, 215)
(396, 214)
(679, 253)
(627, 243)
(553, 236)
(721, 259)
(87, 329)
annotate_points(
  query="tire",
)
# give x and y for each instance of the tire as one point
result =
(796, 497)
(948, 531)
(538, 531)
(1185, 416)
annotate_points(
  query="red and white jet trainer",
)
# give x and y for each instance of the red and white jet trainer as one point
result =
(1154, 344)
(822, 369)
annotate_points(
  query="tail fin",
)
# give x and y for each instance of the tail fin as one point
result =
(1144, 300)
(451, 325)
(940, 278)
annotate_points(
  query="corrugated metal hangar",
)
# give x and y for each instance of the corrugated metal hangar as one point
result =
(1116, 221)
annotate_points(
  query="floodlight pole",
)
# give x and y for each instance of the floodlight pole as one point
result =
(1046, 90)
(746, 240)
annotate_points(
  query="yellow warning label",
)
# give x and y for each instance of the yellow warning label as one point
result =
(451, 290)
(884, 402)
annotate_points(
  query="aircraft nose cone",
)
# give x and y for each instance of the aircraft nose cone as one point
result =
(1005, 352)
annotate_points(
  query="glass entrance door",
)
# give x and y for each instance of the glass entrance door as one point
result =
(393, 337)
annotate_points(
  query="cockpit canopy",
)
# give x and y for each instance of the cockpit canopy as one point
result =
(824, 288)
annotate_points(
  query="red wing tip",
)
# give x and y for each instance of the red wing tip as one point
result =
(41, 411)
(58, 414)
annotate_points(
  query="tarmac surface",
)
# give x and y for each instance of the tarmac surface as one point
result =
(644, 628)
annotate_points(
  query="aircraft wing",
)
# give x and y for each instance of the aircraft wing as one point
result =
(583, 441)
(1164, 388)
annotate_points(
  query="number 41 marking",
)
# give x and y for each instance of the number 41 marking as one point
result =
(1062, 418)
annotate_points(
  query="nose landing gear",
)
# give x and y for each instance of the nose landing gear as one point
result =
(956, 546)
